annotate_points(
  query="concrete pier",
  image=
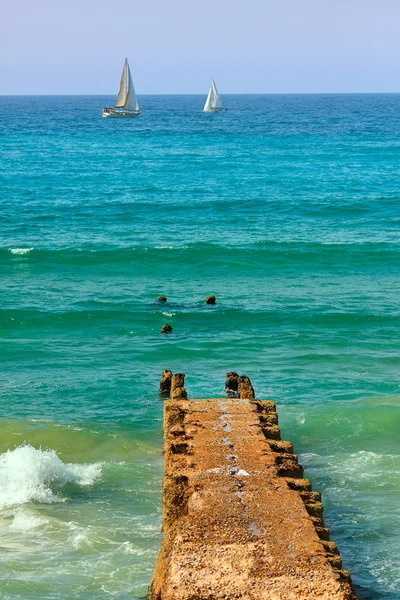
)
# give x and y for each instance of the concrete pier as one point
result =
(239, 520)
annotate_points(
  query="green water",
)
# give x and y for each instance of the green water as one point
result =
(91, 538)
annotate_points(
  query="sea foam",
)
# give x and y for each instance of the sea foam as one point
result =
(20, 250)
(28, 474)
(26, 520)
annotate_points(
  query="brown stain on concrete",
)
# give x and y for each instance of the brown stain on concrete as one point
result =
(239, 520)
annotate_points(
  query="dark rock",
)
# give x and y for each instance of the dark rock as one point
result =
(232, 384)
(211, 300)
(167, 328)
(161, 299)
(165, 383)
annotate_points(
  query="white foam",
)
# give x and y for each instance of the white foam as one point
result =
(79, 537)
(20, 250)
(25, 520)
(301, 418)
(29, 474)
(367, 464)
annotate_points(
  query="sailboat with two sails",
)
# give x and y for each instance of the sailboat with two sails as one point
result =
(214, 103)
(126, 104)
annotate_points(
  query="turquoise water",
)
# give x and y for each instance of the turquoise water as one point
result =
(287, 209)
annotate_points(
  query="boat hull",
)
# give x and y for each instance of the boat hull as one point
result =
(116, 113)
(216, 110)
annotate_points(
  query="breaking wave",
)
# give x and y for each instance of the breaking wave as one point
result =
(20, 250)
(28, 474)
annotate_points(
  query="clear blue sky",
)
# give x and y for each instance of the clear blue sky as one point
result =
(176, 46)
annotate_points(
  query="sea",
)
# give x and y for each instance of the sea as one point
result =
(287, 209)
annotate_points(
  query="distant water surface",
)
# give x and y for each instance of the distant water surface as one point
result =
(287, 209)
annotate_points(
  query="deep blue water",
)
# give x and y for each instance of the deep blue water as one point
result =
(287, 209)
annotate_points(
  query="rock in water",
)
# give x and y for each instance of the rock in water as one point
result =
(246, 390)
(167, 328)
(211, 300)
(178, 386)
(165, 382)
(232, 384)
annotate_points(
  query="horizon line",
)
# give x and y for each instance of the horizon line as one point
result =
(205, 94)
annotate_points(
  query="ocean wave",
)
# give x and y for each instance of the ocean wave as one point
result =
(118, 319)
(368, 464)
(20, 250)
(244, 245)
(350, 471)
(26, 520)
(28, 474)
(392, 400)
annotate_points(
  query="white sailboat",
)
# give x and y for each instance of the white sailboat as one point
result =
(126, 104)
(213, 103)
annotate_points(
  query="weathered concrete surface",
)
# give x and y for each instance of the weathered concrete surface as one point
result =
(178, 387)
(239, 521)
(246, 390)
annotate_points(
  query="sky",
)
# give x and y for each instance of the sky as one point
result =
(176, 46)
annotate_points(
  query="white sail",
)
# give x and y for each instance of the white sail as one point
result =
(131, 102)
(217, 98)
(122, 92)
(213, 99)
(209, 102)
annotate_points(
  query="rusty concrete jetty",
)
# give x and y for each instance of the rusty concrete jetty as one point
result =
(239, 519)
